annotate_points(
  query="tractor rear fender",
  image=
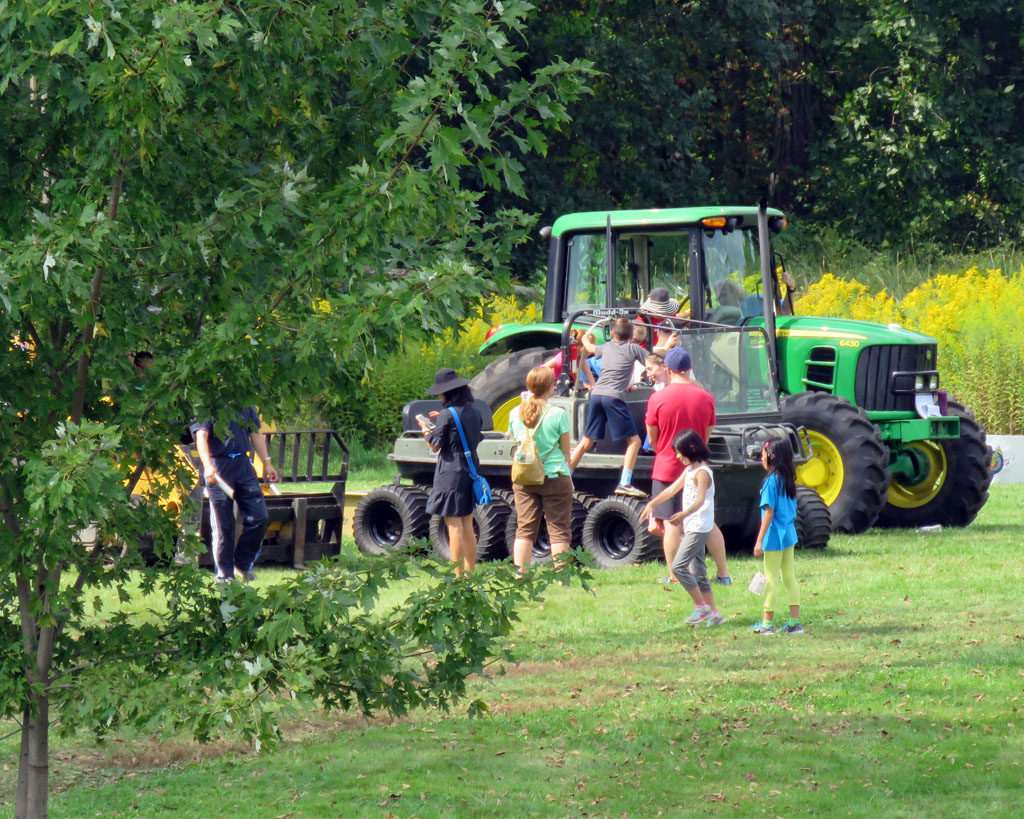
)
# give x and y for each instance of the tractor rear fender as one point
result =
(508, 338)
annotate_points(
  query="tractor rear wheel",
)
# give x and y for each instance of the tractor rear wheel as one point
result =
(388, 518)
(501, 382)
(951, 481)
(849, 467)
(813, 521)
(615, 533)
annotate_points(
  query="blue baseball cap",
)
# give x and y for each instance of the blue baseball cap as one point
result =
(678, 360)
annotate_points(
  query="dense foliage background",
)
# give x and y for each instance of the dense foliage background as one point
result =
(890, 121)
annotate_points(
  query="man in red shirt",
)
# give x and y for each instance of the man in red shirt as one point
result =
(681, 405)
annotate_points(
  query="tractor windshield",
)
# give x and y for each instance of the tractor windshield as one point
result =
(642, 261)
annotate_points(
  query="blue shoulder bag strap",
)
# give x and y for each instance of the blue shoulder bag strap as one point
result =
(465, 443)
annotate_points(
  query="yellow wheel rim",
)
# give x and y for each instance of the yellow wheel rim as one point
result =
(913, 495)
(824, 471)
(501, 413)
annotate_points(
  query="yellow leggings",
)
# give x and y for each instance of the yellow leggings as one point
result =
(779, 565)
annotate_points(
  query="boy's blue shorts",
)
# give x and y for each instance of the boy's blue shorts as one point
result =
(604, 410)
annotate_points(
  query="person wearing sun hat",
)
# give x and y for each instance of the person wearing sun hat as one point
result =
(682, 404)
(659, 301)
(654, 309)
(451, 494)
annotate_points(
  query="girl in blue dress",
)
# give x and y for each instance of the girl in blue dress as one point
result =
(776, 539)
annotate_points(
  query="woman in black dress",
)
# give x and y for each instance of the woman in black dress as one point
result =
(451, 496)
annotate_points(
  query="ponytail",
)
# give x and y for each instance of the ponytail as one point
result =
(538, 381)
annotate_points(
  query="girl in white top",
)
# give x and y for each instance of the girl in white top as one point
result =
(698, 519)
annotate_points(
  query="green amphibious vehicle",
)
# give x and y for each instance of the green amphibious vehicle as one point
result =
(888, 446)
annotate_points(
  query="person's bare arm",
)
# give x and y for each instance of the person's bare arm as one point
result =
(652, 433)
(766, 519)
(259, 443)
(202, 437)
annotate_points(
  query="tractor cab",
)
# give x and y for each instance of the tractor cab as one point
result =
(713, 262)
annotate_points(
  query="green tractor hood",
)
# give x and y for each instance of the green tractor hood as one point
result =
(840, 329)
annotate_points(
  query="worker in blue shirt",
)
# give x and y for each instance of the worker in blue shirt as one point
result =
(226, 463)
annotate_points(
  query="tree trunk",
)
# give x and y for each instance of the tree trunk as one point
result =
(34, 760)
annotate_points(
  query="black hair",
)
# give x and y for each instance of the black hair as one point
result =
(780, 462)
(142, 359)
(691, 446)
(459, 397)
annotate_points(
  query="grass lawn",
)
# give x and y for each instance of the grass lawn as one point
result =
(903, 698)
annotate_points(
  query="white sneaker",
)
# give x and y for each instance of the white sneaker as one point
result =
(699, 616)
(716, 619)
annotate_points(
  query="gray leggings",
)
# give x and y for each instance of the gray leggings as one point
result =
(689, 563)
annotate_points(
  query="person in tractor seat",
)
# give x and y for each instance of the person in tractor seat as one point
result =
(659, 301)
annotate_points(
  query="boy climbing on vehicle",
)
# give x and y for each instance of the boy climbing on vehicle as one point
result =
(607, 407)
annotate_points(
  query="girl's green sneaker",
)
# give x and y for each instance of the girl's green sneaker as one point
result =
(761, 627)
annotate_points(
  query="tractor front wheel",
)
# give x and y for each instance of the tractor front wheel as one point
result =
(946, 481)
(849, 466)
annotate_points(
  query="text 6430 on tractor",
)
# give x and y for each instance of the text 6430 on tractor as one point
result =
(889, 447)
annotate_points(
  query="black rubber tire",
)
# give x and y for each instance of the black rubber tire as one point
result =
(859, 444)
(581, 503)
(388, 518)
(813, 521)
(965, 487)
(615, 533)
(489, 523)
(502, 381)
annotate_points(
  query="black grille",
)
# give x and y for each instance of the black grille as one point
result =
(821, 370)
(875, 366)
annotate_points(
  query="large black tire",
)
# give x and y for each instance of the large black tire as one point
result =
(388, 518)
(850, 467)
(813, 521)
(488, 525)
(501, 382)
(491, 521)
(581, 503)
(955, 485)
(615, 533)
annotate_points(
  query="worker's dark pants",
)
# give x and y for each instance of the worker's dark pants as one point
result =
(237, 473)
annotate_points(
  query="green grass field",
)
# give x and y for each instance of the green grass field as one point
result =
(905, 697)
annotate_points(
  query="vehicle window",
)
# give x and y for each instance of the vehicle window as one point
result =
(588, 271)
(733, 270)
(668, 258)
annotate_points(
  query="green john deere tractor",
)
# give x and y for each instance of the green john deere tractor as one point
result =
(889, 447)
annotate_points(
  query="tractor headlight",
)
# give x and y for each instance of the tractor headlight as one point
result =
(933, 383)
(918, 383)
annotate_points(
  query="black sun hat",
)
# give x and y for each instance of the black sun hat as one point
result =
(446, 380)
